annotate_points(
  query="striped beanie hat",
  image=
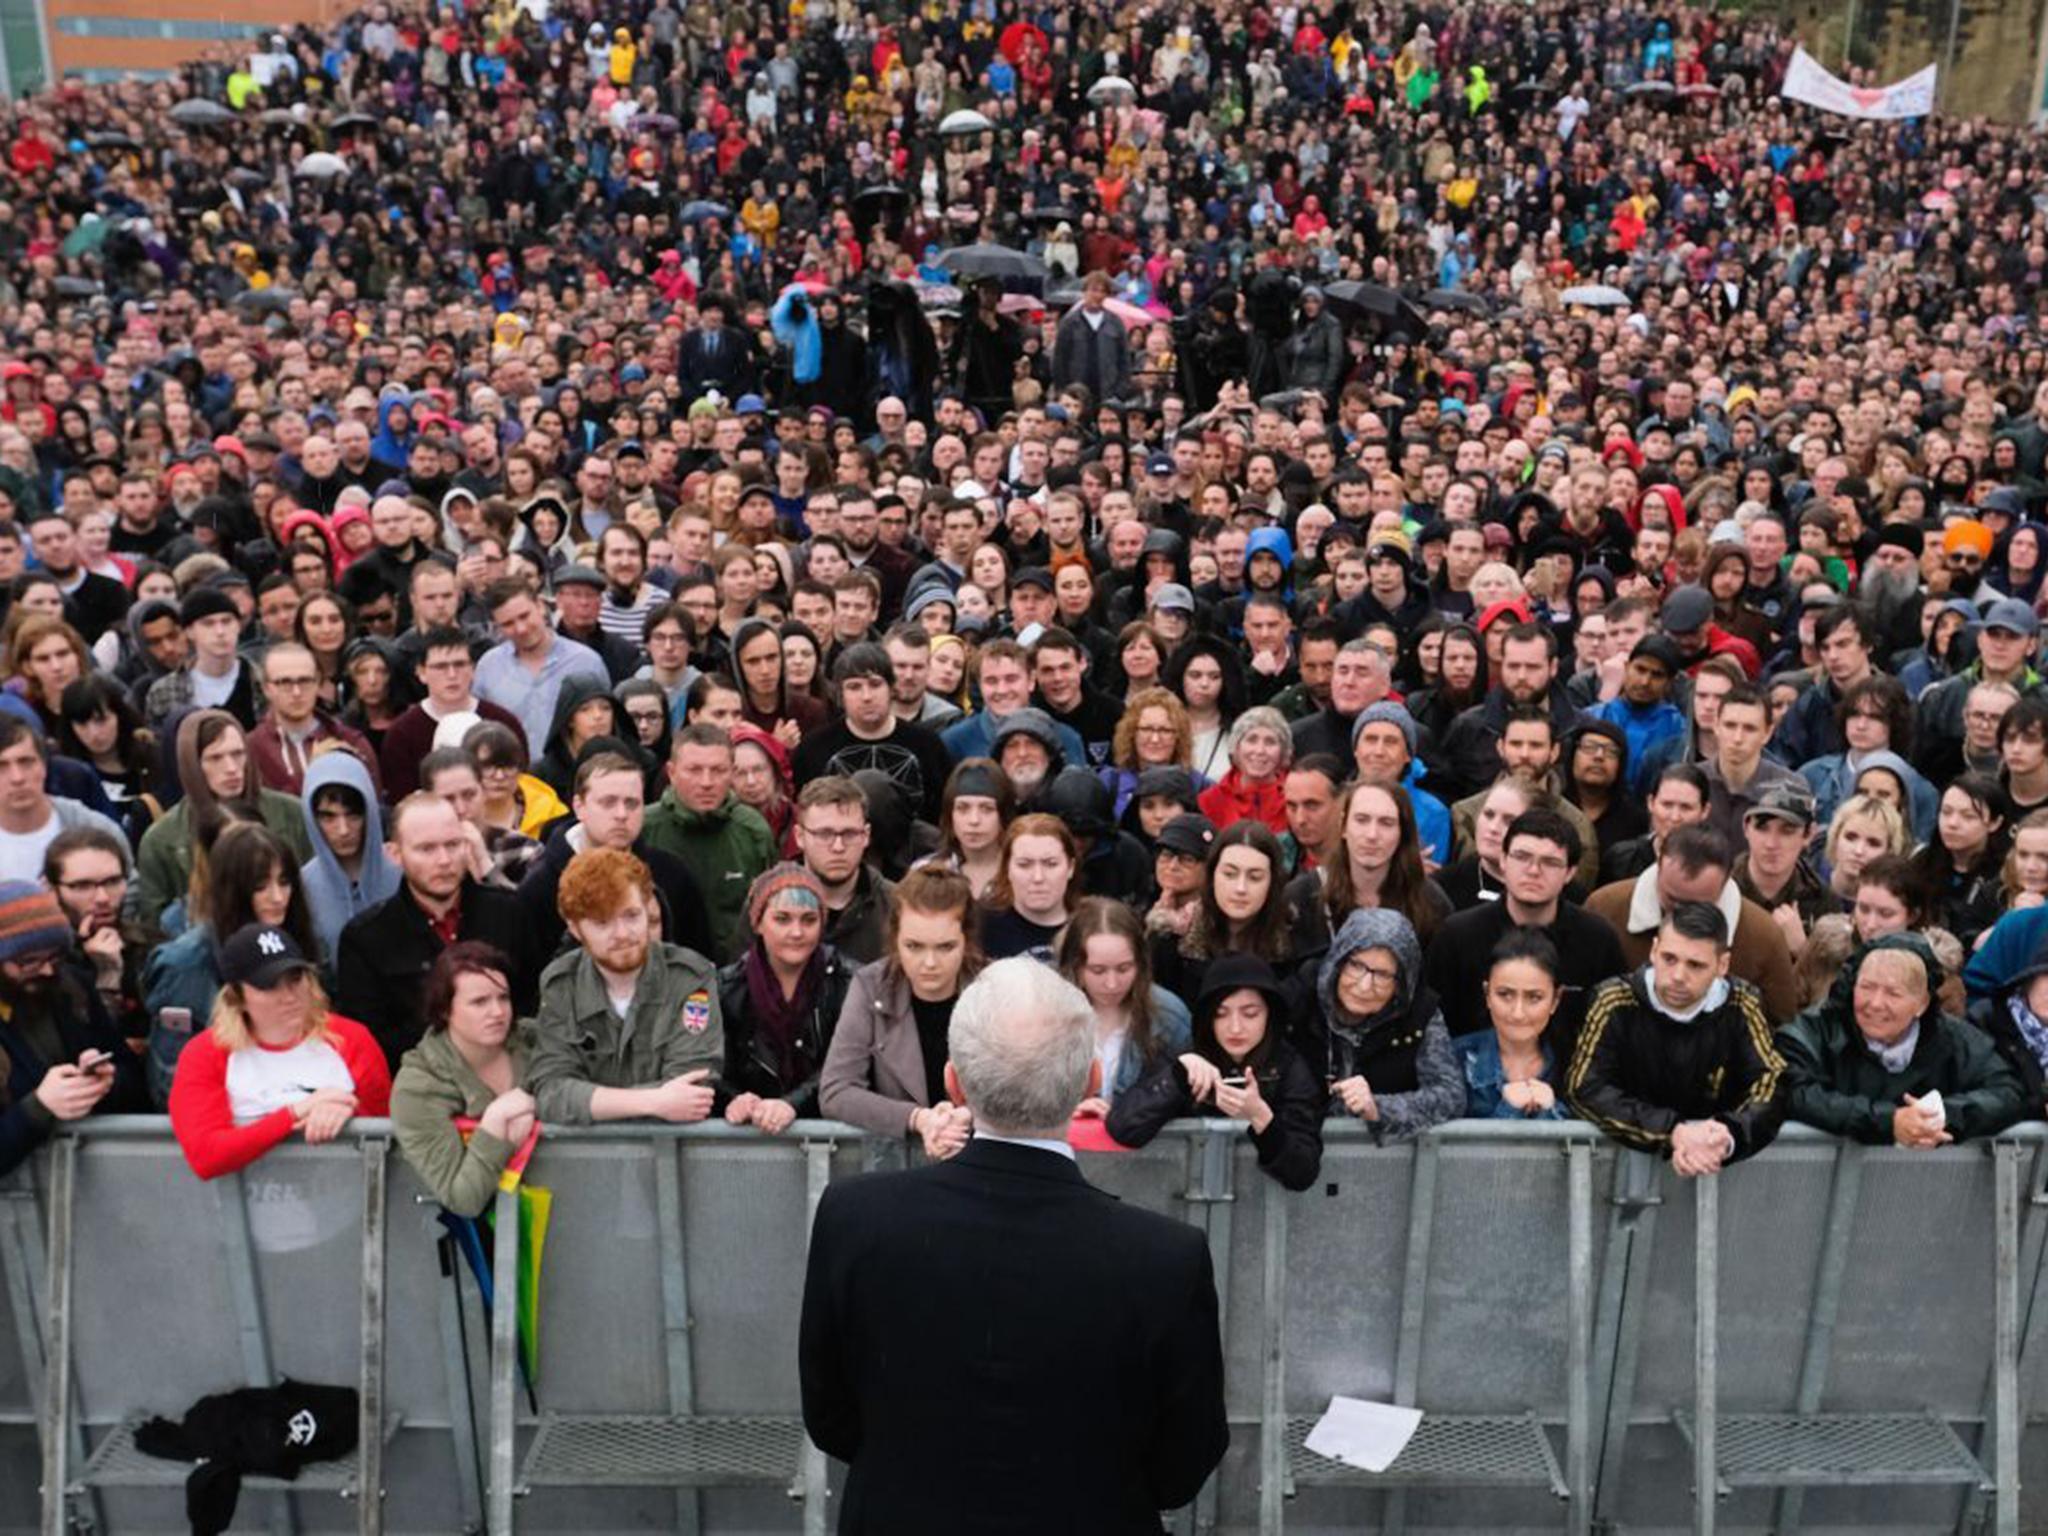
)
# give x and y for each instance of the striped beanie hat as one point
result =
(773, 882)
(31, 922)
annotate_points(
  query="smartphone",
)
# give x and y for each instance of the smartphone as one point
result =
(177, 1021)
(1233, 1082)
(92, 1061)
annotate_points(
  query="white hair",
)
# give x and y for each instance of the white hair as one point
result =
(1021, 1041)
(1268, 719)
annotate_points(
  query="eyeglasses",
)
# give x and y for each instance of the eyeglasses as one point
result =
(838, 837)
(106, 887)
(1379, 975)
(1553, 864)
(1607, 749)
(488, 769)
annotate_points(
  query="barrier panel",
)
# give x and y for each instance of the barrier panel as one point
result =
(1875, 1340)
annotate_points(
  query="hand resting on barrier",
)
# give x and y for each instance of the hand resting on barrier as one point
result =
(1700, 1147)
(322, 1115)
(1919, 1125)
(770, 1116)
(509, 1116)
(682, 1100)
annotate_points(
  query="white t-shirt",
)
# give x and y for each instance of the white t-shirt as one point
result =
(21, 853)
(262, 1081)
(1109, 1052)
(213, 692)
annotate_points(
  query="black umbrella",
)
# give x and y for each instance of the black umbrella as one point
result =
(74, 287)
(881, 192)
(353, 120)
(1376, 301)
(106, 139)
(1451, 298)
(247, 176)
(1013, 268)
(1052, 213)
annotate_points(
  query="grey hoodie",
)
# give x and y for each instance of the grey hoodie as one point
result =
(331, 893)
(1439, 1094)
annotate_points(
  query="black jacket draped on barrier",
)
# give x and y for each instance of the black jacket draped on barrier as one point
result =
(996, 1346)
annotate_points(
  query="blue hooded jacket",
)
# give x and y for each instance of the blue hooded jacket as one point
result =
(386, 444)
(1274, 542)
(804, 338)
(332, 895)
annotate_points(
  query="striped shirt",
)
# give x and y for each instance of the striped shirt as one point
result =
(629, 623)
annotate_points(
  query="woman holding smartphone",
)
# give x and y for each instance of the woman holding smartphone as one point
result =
(1242, 1068)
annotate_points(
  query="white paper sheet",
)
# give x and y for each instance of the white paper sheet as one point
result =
(1364, 1435)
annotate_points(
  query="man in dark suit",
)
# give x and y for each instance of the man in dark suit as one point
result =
(992, 1344)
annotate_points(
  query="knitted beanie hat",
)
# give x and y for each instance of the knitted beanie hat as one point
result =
(31, 922)
(775, 880)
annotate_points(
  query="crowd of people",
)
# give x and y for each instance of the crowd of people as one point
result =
(566, 567)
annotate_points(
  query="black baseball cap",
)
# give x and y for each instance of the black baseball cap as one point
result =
(261, 956)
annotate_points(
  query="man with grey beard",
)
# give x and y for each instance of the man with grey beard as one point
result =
(1890, 586)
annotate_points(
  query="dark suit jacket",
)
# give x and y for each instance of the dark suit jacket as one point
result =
(994, 1345)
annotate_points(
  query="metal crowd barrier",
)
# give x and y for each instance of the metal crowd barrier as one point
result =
(1829, 1335)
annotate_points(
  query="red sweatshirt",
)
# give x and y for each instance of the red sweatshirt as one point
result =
(229, 1108)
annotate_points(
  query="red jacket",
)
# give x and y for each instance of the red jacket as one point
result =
(1231, 799)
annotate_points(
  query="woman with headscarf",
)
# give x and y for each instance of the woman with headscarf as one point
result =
(1384, 1050)
(1241, 1067)
(763, 778)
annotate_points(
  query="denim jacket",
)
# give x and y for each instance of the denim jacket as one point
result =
(1479, 1056)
